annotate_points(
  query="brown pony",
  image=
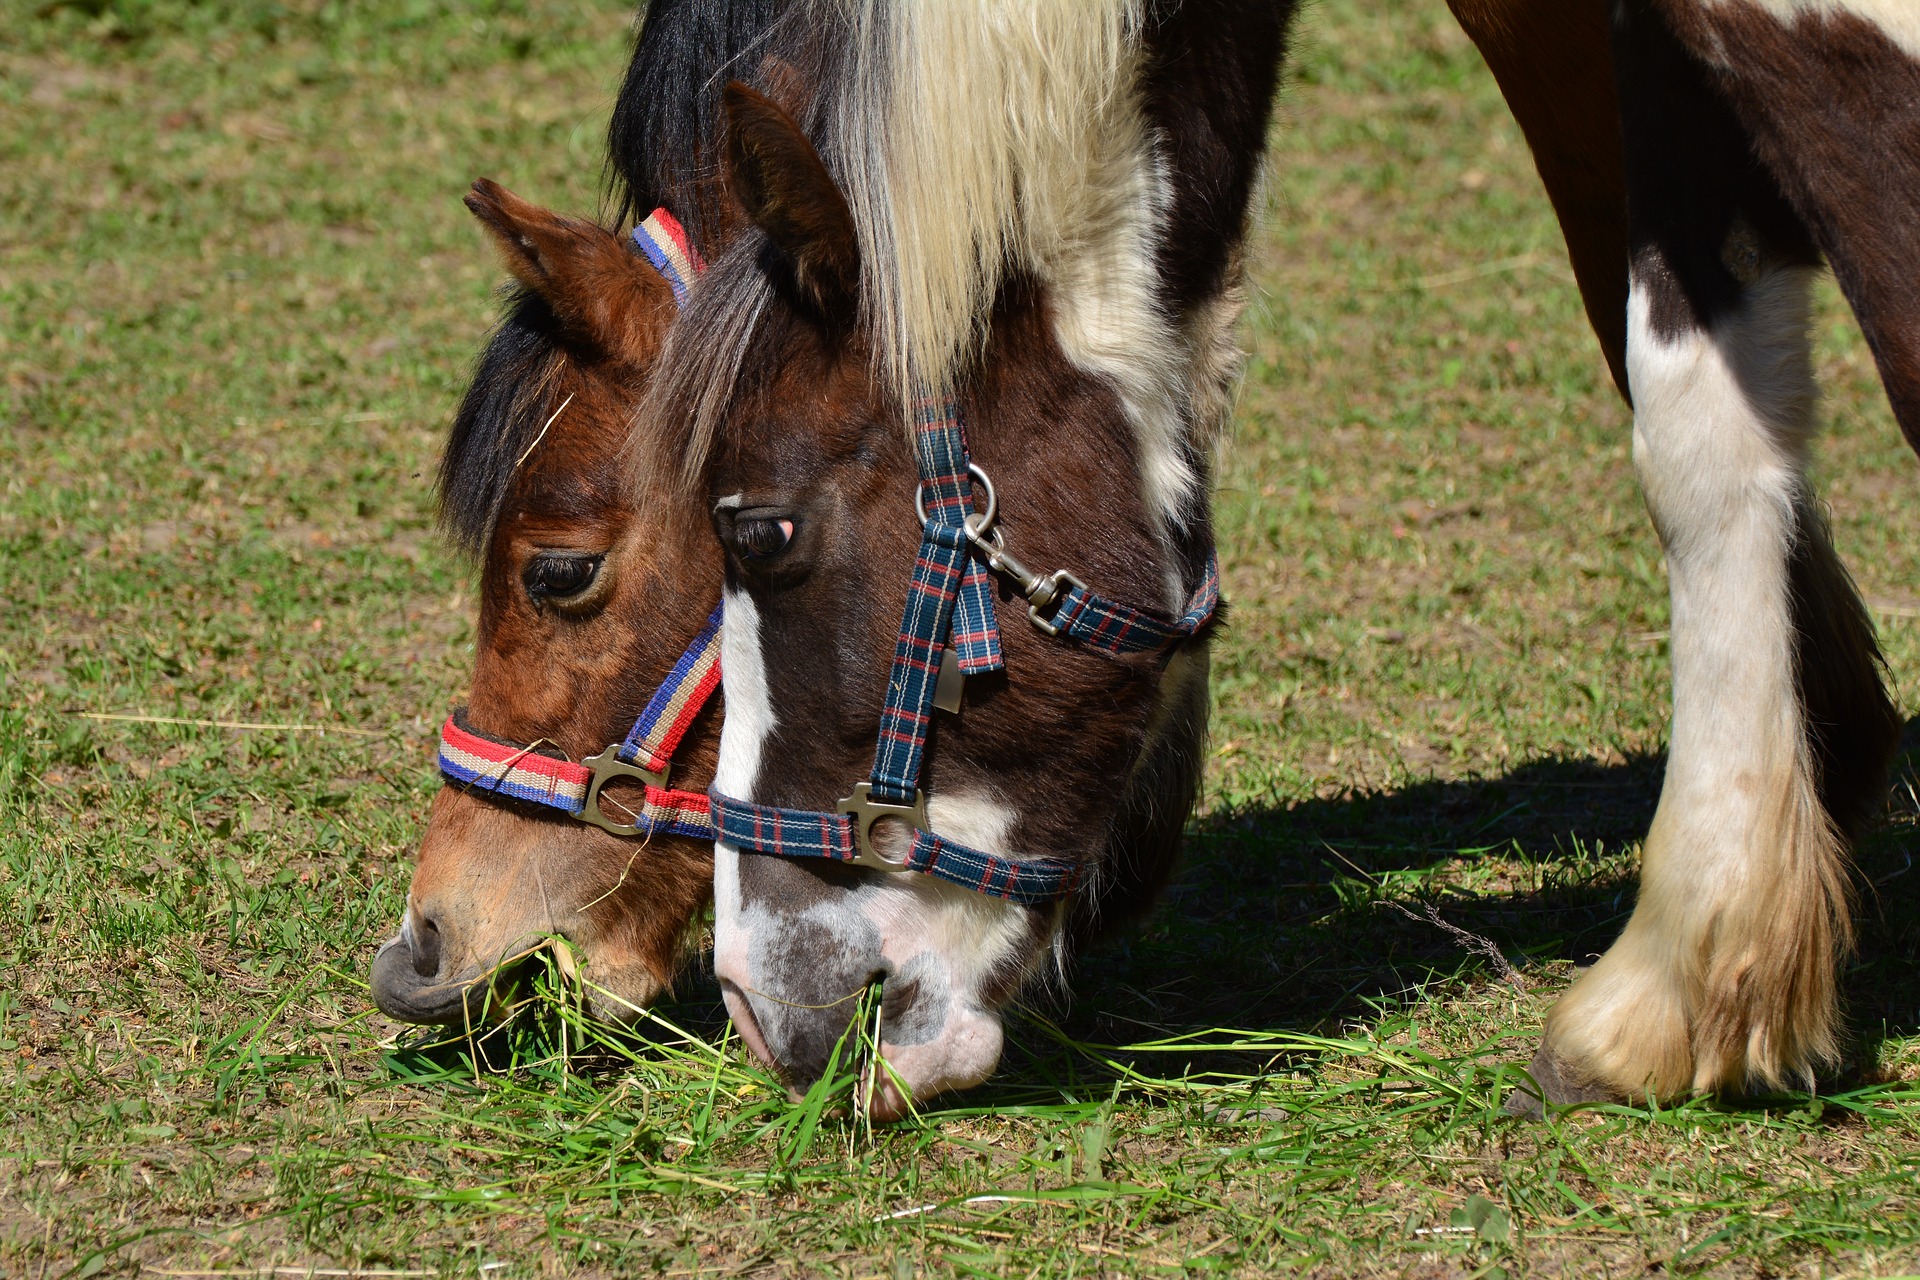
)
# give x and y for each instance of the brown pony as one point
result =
(584, 607)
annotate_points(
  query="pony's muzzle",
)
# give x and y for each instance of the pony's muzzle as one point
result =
(740, 1009)
(407, 982)
(962, 1053)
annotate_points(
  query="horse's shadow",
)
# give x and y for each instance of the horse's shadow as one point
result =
(1319, 914)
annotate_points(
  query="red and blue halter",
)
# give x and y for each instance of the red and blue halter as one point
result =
(539, 775)
(949, 631)
(950, 618)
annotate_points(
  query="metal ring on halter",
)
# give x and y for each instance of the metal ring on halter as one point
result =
(606, 766)
(977, 522)
(865, 811)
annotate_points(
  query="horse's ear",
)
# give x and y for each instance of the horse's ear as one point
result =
(596, 286)
(786, 190)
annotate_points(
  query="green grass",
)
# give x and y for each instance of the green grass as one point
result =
(238, 296)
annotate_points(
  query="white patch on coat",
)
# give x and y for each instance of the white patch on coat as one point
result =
(1720, 434)
(1108, 321)
(1722, 421)
(1898, 20)
(916, 912)
(970, 936)
(744, 732)
(973, 818)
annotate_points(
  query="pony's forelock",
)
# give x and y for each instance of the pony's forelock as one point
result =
(499, 418)
(699, 371)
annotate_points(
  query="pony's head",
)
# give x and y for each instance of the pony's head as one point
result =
(584, 608)
(1066, 758)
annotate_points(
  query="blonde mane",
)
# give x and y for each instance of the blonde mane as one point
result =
(978, 141)
(964, 143)
(974, 143)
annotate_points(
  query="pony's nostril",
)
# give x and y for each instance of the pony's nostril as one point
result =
(426, 947)
(885, 1102)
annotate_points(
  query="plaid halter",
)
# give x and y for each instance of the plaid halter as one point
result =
(540, 775)
(950, 619)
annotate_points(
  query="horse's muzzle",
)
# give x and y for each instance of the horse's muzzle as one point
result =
(407, 984)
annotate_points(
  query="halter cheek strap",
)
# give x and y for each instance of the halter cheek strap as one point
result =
(950, 619)
(481, 762)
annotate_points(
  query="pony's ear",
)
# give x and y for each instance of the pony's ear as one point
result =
(786, 190)
(599, 289)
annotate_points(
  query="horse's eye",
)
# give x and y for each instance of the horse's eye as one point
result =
(757, 537)
(560, 577)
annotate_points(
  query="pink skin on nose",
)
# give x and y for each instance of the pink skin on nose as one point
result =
(966, 1053)
(740, 1009)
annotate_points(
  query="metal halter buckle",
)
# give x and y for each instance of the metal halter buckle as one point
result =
(607, 766)
(984, 518)
(1050, 591)
(1041, 591)
(865, 811)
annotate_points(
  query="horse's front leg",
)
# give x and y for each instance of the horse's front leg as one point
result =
(1725, 975)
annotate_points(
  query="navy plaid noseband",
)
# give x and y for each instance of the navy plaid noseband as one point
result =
(950, 631)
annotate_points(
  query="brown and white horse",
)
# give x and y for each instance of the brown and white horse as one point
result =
(1759, 139)
(1083, 328)
(1041, 211)
(1037, 210)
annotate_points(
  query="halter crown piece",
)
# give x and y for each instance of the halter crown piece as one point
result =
(949, 631)
(539, 776)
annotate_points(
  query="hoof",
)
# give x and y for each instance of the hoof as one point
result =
(1561, 1084)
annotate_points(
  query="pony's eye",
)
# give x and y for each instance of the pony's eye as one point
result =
(757, 537)
(560, 577)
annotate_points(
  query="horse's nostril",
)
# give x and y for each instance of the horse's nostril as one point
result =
(426, 947)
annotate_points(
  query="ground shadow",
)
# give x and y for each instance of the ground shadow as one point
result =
(1286, 919)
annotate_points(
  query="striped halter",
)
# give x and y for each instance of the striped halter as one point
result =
(540, 775)
(950, 631)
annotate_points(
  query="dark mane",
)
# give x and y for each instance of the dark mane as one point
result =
(662, 142)
(500, 416)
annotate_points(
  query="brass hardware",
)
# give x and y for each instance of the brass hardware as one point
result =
(865, 811)
(606, 766)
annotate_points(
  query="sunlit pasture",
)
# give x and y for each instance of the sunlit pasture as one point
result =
(239, 298)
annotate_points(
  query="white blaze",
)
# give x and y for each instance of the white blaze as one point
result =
(743, 735)
(1898, 20)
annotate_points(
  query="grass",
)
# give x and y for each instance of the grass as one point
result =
(238, 297)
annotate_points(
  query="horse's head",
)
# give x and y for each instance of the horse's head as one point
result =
(584, 609)
(1059, 762)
